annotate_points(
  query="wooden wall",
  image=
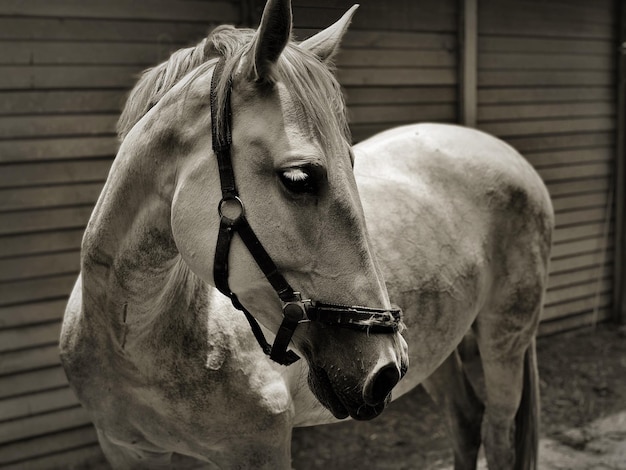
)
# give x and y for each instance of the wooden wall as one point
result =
(546, 84)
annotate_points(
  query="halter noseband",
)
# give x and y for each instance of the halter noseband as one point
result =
(233, 219)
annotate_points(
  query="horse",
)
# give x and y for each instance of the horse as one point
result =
(451, 224)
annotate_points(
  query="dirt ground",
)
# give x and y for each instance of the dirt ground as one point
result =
(583, 401)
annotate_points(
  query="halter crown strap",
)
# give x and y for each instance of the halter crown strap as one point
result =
(233, 219)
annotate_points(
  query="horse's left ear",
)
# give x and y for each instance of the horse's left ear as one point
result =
(325, 44)
(272, 37)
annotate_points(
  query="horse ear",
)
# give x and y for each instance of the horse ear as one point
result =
(272, 37)
(325, 44)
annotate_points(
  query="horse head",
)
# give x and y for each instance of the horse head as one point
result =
(289, 147)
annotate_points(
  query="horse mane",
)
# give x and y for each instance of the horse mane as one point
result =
(156, 81)
(311, 83)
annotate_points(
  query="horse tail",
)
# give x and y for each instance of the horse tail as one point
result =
(527, 417)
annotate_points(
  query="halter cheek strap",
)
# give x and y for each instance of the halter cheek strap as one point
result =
(233, 219)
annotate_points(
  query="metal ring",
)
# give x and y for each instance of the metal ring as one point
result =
(233, 213)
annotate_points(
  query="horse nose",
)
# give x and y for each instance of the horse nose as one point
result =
(377, 389)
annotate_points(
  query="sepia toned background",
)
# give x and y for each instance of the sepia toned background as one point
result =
(544, 75)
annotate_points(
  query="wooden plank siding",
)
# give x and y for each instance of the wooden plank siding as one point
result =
(546, 85)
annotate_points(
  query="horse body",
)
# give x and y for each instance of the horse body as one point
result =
(459, 222)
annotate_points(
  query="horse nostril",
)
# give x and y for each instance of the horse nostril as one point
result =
(381, 385)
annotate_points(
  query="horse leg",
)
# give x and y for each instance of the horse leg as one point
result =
(455, 397)
(128, 457)
(511, 425)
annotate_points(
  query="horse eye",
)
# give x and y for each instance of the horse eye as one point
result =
(299, 180)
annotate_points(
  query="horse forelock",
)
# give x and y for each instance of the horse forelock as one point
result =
(311, 83)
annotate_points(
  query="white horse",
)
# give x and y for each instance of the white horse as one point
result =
(460, 222)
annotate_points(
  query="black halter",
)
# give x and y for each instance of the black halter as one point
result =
(233, 219)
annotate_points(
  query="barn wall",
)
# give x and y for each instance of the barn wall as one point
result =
(546, 84)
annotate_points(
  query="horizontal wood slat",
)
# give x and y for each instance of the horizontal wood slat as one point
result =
(577, 247)
(574, 322)
(25, 77)
(396, 58)
(48, 444)
(395, 76)
(499, 78)
(549, 126)
(552, 110)
(583, 275)
(26, 102)
(30, 174)
(35, 290)
(572, 8)
(34, 381)
(514, 24)
(584, 170)
(109, 30)
(582, 185)
(32, 313)
(576, 306)
(581, 201)
(86, 53)
(222, 11)
(16, 151)
(580, 216)
(524, 96)
(363, 131)
(543, 143)
(29, 336)
(399, 95)
(565, 294)
(580, 231)
(397, 15)
(585, 260)
(89, 456)
(399, 113)
(20, 127)
(378, 39)
(26, 267)
(542, 45)
(36, 243)
(543, 61)
(44, 219)
(29, 359)
(37, 403)
(49, 196)
(42, 424)
(570, 156)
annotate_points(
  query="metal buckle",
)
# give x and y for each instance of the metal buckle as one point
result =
(295, 310)
(231, 209)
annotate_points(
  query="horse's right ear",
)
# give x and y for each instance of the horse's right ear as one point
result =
(325, 44)
(271, 38)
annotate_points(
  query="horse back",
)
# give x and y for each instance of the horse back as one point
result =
(461, 224)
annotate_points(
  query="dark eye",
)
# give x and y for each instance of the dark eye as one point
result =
(300, 180)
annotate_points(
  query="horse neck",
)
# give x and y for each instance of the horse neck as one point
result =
(132, 271)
